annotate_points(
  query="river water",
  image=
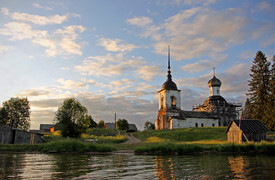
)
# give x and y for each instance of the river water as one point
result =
(130, 166)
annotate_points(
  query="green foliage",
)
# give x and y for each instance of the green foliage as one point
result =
(16, 113)
(260, 102)
(122, 124)
(72, 118)
(102, 132)
(149, 126)
(100, 124)
(92, 123)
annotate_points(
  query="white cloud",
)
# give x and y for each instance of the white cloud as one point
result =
(5, 11)
(115, 45)
(198, 66)
(36, 19)
(3, 49)
(109, 65)
(248, 54)
(70, 84)
(140, 21)
(41, 7)
(147, 72)
(62, 42)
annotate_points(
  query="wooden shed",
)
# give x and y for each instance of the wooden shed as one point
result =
(239, 131)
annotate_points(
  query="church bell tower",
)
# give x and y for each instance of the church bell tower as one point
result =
(169, 99)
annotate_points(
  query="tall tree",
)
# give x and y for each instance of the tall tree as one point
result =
(101, 124)
(72, 118)
(16, 113)
(122, 124)
(259, 88)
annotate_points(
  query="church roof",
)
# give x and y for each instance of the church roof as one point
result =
(214, 82)
(169, 84)
(215, 100)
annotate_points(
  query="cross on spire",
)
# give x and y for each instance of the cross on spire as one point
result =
(169, 59)
(214, 71)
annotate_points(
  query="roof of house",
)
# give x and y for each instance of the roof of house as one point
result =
(249, 126)
(132, 127)
(46, 126)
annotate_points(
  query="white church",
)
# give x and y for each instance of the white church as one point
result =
(170, 115)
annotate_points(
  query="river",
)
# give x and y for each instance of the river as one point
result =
(130, 166)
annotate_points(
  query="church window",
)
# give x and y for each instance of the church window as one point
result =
(213, 125)
(161, 102)
(201, 124)
(173, 101)
(196, 124)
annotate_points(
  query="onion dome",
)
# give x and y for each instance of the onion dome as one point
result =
(214, 82)
(169, 84)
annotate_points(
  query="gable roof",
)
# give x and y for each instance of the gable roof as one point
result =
(249, 126)
(46, 126)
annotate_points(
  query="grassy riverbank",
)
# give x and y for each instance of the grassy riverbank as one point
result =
(177, 141)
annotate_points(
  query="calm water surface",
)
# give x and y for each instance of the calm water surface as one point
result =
(129, 166)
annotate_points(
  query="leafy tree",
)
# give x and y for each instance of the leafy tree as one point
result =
(16, 113)
(92, 123)
(149, 126)
(101, 124)
(72, 118)
(260, 102)
(122, 124)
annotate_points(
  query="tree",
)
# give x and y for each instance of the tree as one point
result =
(101, 124)
(260, 91)
(16, 113)
(122, 124)
(72, 118)
(149, 126)
(92, 123)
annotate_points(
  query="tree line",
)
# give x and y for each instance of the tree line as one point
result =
(261, 94)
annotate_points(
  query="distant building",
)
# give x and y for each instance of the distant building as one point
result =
(239, 131)
(110, 126)
(47, 128)
(217, 105)
(132, 127)
(170, 115)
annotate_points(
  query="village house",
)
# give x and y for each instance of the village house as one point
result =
(239, 131)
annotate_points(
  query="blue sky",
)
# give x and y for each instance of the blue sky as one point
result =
(112, 55)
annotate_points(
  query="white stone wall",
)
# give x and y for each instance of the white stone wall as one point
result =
(167, 94)
(191, 122)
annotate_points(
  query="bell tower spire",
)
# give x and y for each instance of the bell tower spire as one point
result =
(169, 76)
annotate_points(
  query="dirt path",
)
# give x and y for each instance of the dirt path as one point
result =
(131, 139)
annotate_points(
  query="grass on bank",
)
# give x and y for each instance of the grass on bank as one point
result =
(64, 145)
(173, 148)
(185, 135)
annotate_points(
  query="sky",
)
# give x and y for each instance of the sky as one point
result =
(111, 55)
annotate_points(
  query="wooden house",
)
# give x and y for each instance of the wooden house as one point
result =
(239, 131)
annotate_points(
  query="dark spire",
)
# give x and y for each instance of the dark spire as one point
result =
(169, 76)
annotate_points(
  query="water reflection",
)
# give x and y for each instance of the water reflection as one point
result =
(129, 166)
(11, 166)
(164, 168)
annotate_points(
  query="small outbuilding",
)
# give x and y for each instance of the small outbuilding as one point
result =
(239, 131)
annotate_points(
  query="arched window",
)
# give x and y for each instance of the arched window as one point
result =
(201, 124)
(196, 124)
(173, 101)
(213, 125)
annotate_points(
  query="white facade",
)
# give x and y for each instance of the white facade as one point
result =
(193, 122)
(169, 99)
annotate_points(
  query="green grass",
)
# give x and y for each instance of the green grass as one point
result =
(64, 145)
(172, 148)
(185, 135)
